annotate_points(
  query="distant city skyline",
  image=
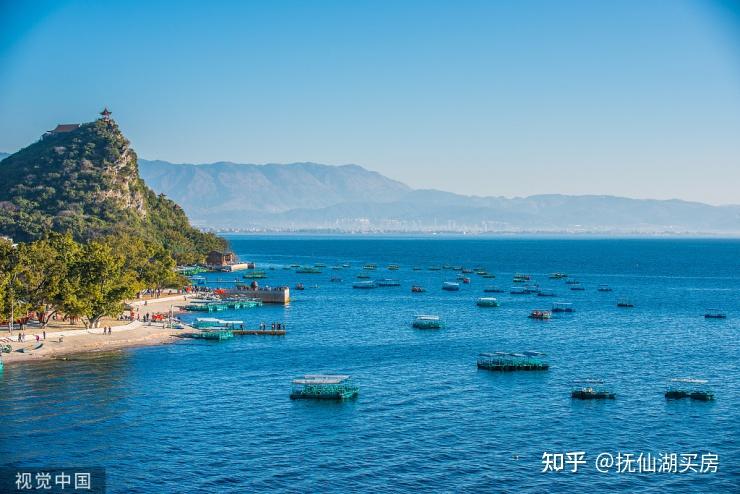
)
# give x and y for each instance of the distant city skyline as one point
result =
(634, 99)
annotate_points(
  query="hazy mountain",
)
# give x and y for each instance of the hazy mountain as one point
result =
(3, 155)
(313, 196)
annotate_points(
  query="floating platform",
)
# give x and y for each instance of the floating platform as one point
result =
(509, 362)
(694, 389)
(562, 307)
(714, 314)
(591, 389)
(323, 387)
(487, 302)
(208, 335)
(259, 332)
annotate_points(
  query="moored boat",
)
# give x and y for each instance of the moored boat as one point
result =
(418, 289)
(387, 282)
(423, 321)
(308, 270)
(714, 314)
(450, 286)
(323, 387)
(540, 314)
(695, 389)
(604, 288)
(562, 307)
(493, 289)
(546, 293)
(506, 361)
(591, 389)
(625, 303)
(299, 286)
(487, 302)
(363, 284)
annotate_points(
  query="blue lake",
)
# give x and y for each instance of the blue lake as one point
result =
(215, 417)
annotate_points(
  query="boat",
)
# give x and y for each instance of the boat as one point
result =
(492, 289)
(714, 314)
(308, 270)
(540, 314)
(546, 293)
(319, 265)
(591, 389)
(466, 280)
(572, 282)
(488, 276)
(577, 288)
(387, 282)
(254, 275)
(323, 387)
(418, 289)
(506, 361)
(363, 276)
(215, 335)
(434, 268)
(520, 278)
(393, 267)
(363, 284)
(336, 279)
(625, 303)
(416, 268)
(467, 271)
(695, 389)
(299, 286)
(487, 302)
(370, 267)
(336, 268)
(345, 265)
(603, 288)
(426, 322)
(562, 307)
(515, 290)
(450, 286)
(558, 276)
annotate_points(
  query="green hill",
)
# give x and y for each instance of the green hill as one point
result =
(86, 181)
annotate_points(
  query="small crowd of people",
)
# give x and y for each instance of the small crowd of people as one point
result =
(22, 337)
(107, 330)
(276, 326)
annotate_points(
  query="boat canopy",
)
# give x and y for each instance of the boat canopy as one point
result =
(321, 379)
(689, 380)
(425, 317)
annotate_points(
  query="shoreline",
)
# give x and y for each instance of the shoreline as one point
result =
(83, 341)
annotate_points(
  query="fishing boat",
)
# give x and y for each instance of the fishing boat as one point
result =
(299, 286)
(577, 288)
(418, 289)
(426, 322)
(370, 267)
(434, 268)
(215, 335)
(487, 302)
(345, 265)
(625, 303)
(520, 278)
(591, 389)
(308, 270)
(466, 280)
(323, 387)
(540, 314)
(393, 267)
(416, 268)
(467, 271)
(363, 284)
(488, 276)
(603, 288)
(562, 307)
(493, 289)
(558, 276)
(387, 282)
(319, 265)
(515, 290)
(714, 314)
(695, 389)
(572, 282)
(506, 361)
(450, 286)
(362, 276)
(546, 293)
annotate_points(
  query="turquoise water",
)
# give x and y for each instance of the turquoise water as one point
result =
(215, 417)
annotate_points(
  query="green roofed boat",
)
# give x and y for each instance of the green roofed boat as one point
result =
(427, 322)
(323, 387)
(505, 361)
(487, 302)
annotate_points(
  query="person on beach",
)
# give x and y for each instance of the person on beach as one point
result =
(37, 338)
(44, 334)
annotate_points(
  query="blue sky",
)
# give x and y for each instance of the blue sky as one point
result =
(513, 98)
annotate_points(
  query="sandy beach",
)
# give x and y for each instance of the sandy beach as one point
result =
(63, 339)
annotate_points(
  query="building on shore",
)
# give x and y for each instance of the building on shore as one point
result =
(226, 261)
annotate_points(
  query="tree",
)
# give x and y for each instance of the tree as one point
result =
(98, 284)
(43, 267)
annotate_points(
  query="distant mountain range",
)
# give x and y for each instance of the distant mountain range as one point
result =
(310, 196)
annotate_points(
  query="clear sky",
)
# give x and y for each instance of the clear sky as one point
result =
(633, 98)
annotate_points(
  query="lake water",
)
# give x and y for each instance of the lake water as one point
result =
(215, 417)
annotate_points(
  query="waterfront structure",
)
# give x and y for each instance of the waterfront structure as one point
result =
(695, 389)
(323, 387)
